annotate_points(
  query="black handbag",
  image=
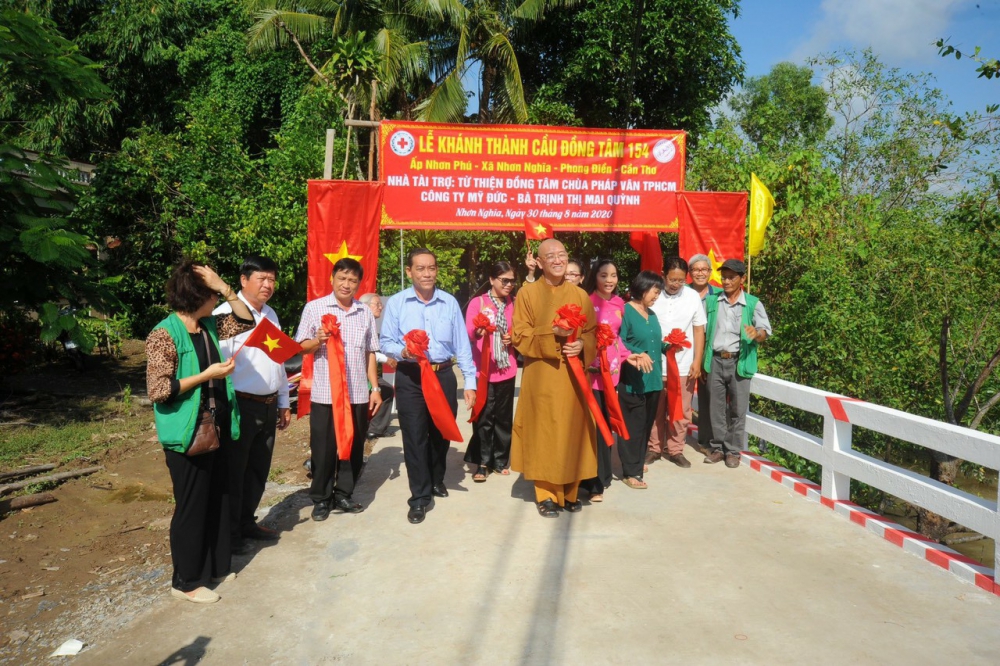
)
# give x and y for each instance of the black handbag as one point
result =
(206, 432)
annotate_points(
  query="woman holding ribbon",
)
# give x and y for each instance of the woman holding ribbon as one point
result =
(602, 285)
(641, 384)
(489, 320)
(187, 380)
(340, 331)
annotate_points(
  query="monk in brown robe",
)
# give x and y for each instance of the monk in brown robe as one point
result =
(554, 440)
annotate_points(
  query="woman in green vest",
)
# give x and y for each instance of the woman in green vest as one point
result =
(185, 374)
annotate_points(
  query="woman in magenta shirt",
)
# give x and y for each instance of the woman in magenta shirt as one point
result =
(489, 448)
(602, 285)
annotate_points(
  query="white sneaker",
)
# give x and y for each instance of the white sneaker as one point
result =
(202, 595)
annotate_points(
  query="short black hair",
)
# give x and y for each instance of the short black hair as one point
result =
(674, 263)
(643, 282)
(255, 263)
(349, 265)
(185, 290)
(416, 252)
(590, 282)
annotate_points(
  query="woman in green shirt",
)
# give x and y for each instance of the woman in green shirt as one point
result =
(640, 386)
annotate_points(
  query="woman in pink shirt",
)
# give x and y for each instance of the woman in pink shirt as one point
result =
(602, 285)
(489, 448)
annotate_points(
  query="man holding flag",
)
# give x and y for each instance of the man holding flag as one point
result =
(262, 397)
(340, 331)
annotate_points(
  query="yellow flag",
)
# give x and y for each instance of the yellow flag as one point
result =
(761, 208)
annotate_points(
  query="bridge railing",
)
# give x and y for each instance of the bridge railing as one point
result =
(841, 463)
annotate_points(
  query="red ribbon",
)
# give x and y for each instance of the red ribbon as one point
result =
(571, 318)
(483, 377)
(343, 423)
(416, 344)
(606, 338)
(677, 341)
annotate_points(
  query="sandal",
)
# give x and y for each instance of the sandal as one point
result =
(503, 471)
(481, 474)
(634, 483)
(597, 498)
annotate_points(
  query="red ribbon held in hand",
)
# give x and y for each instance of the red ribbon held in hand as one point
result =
(571, 318)
(677, 341)
(340, 399)
(606, 338)
(483, 377)
(437, 404)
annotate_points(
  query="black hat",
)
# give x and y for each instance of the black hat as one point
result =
(735, 265)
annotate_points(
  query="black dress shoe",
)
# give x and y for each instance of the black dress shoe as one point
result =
(321, 511)
(345, 505)
(438, 490)
(416, 514)
(242, 548)
(260, 533)
(548, 509)
(573, 507)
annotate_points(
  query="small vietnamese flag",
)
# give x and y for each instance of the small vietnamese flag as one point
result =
(538, 230)
(269, 339)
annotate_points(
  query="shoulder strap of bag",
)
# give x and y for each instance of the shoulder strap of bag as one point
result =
(211, 382)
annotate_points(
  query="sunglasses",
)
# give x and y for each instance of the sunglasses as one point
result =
(506, 281)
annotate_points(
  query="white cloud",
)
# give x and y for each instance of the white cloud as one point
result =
(898, 30)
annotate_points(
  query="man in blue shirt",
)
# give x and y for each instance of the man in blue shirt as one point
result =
(425, 307)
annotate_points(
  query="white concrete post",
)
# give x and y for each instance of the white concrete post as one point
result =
(328, 156)
(836, 438)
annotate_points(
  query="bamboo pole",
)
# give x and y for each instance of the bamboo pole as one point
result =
(26, 471)
(62, 476)
(373, 134)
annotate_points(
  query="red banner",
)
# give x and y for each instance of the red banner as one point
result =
(713, 224)
(498, 177)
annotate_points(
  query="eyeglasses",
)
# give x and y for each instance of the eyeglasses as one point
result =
(569, 274)
(506, 282)
(552, 256)
(701, 270)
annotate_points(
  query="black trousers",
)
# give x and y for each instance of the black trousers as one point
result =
(424, 448)
(334, 478)
(199, 530)
(639, 412)
(599, 483)
(250, 462)
(490, 443)
(379, 424)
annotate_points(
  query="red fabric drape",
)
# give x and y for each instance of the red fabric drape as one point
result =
(343, 222)
(713, 224)
(343, 424)
(606, 338)
(650, 253)
(416, 344)
(483, 377)
(570, 317)
(677, 340)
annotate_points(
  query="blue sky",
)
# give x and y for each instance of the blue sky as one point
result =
(901, 32)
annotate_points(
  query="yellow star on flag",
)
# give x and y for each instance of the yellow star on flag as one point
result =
(716, 276)
(342, 253)
(541, 231)
(271, 343)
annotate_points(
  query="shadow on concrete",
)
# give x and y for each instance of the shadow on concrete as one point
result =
(384, 464)
(541, 644)
(189, 654)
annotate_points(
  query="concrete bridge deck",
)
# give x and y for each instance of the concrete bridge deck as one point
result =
(709, 565)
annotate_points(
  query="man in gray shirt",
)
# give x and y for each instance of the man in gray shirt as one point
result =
(737, 324)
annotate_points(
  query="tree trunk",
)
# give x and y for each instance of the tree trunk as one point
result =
(944, 468)
(489, 76)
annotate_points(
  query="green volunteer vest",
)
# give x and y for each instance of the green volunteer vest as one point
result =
(175, 421)
(746, 365)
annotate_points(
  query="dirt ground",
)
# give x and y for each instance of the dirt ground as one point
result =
(87, 564)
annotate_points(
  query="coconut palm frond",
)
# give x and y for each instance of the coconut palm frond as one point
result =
(511, 95)
(447, 102)
(270, 31)
(402, 61)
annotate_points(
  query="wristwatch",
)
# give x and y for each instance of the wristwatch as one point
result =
(375, 389)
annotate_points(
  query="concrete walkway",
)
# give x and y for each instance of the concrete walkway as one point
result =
(710, 565)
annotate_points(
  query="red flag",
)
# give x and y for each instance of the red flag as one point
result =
(538, 230)
(437, 404)
(344, 220)
(713, 224)
(269, 339)
(647, 244)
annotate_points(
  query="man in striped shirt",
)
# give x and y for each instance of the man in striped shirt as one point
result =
(333, 479)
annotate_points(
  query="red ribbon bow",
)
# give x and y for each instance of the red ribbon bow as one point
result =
(483, 376)
(605, 338)
(437, 404)
(677, 341)
(343, 423)
(571, 318)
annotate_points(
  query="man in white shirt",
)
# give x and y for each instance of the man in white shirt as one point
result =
(677, 307)
(262, 395)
